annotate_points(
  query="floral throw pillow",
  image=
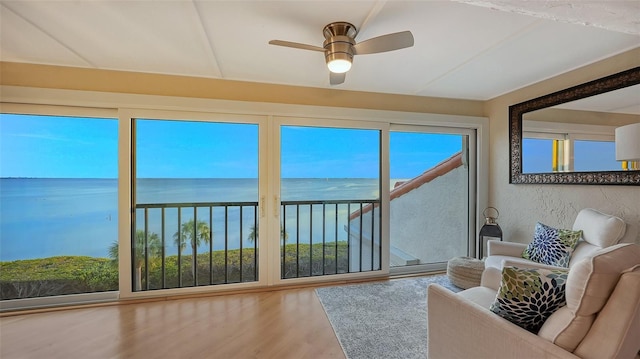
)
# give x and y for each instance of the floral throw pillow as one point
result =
(527, 297)
(552, 246)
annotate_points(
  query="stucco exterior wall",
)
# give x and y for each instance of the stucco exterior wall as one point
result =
(556, 205)
(431, 222)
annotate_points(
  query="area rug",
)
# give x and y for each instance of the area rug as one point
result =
(382, 319)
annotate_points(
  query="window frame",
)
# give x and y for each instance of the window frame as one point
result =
(471, 161)
(127, 106)
(569, 132)
(67, 299)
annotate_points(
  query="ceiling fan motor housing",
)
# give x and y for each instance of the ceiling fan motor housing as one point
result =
(339, 48)
(339, 41)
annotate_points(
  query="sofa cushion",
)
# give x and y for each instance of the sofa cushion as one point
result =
(589, 286)
(527, 297)
(599, 229)
(552, 246)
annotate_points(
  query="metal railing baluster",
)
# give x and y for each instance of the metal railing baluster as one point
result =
(297, 240)
(255, 243)
(163, 279)
(146, 248)
(210, 244)
(324, 238)
(241, 244)
(311, 240)
(284, 241)
(194, 247)
(179, 247)
(336, 239)
(360, 238)
(226, 244)
(348, 238)
(373, 208)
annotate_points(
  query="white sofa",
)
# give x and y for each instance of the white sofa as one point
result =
(601, 318)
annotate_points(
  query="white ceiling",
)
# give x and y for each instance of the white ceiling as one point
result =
(463, 49)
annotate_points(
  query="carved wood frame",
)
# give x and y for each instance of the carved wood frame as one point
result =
(610, 83)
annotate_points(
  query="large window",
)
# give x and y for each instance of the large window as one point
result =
(330, 191)
(196, 201)
(58, 205)
(158, 202)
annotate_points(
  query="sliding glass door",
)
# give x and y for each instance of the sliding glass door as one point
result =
(330, 201)
(196, 204)
(430, 219)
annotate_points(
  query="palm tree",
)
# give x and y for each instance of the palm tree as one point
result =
(253, 235)
(194, 236)
(153, 249)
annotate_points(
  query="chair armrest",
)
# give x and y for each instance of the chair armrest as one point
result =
(491, 278)
(499, 248)
(528, 265)
(459, 328)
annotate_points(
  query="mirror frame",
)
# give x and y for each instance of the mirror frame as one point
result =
(609, 83)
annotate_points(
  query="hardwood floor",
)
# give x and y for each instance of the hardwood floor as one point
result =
(277, 324)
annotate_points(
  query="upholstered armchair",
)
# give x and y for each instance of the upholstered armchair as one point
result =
(599, 319)
(599, 230)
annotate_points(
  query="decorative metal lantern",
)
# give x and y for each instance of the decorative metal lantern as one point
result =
(490, 231)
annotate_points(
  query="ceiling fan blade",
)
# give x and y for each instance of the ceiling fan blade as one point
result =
(336, 79)
(296, 45)
(384, 43)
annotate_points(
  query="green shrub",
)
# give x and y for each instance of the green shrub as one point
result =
(80, 274)
(56, 276)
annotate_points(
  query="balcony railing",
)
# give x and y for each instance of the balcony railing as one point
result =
(330, 237)
(198, 255)
(179, 245)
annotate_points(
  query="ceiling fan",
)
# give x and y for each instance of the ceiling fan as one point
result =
(340, 46)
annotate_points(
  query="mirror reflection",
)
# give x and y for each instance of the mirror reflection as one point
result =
(578, 136)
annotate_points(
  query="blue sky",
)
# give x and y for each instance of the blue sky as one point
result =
(37, 146)
(59, 147)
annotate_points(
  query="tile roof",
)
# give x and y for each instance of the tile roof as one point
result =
(429, 175)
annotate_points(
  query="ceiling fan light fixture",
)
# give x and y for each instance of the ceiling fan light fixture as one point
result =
(339, 65)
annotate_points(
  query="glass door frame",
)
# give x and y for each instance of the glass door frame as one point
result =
(126, 194)
(62, 111)
(275, 183)
(472, 161)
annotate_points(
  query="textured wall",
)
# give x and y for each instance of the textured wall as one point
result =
(431, 221)
(556, 205)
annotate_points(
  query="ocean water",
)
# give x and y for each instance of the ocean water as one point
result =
(54, 216)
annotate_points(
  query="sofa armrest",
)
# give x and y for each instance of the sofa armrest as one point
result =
(499, 248)
(458, 328)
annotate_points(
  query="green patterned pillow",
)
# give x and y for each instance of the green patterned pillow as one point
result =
(527, 297)
(552, 246)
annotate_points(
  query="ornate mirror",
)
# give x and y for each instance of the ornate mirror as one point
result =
(626, 83)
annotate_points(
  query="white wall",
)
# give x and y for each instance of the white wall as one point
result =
(521, 205)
